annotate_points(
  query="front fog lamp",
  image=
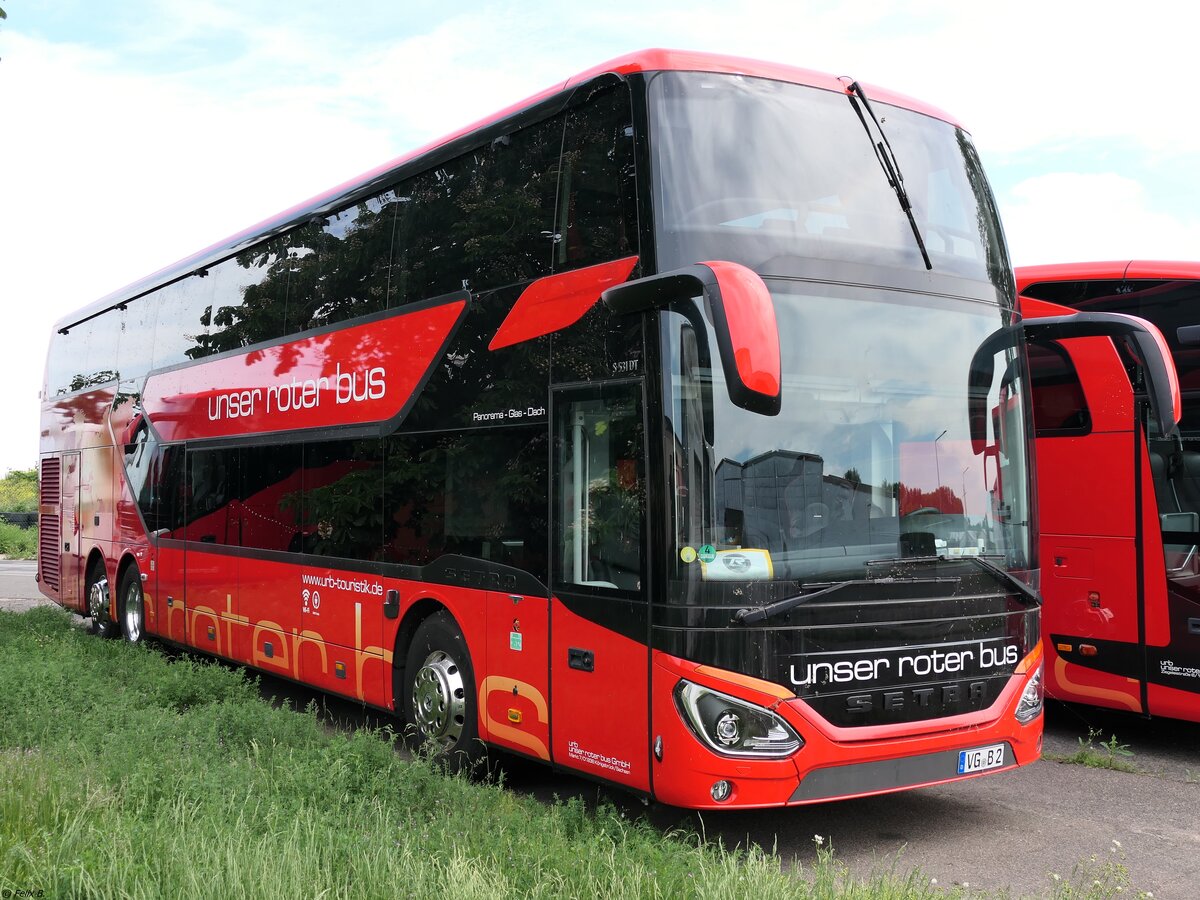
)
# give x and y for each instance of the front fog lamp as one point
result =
(734, 727)
(1033, 699)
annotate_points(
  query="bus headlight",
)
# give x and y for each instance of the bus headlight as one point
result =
(1033, 699)
(734, 727)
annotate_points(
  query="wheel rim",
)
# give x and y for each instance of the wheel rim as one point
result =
(98, 602)
(439, 699)
(133, 611)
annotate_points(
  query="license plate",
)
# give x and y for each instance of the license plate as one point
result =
(980, 758)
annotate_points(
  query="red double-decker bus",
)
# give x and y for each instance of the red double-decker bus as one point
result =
(670, 427)
(1119, 496)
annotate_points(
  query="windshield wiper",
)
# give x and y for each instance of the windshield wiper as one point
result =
(779, 607)
(1003, 575)
(887, 160)
(762, 613)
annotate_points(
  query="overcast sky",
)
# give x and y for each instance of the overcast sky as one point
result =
(134, 133)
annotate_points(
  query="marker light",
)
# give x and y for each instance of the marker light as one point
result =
(1032, 699)
(734, 727)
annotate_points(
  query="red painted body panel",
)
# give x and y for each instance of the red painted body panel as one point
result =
(365, 373)
(514, 690)
(1106, 271)
(1089, 524)
(587, 735)
(557, 301)
(1086, 542)
(688, 769)
(170, 600)
(1069, 502)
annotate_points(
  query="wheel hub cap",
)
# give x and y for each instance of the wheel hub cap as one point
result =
(133, 612)
(439, 699)
(98, 601)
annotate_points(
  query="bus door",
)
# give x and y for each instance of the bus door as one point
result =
(1172, 566)
(1084, 421)
(599, 656)
(72, 560)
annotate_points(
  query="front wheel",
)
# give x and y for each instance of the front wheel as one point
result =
(132, 606)
(439, 693)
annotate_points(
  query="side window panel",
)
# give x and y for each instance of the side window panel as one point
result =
(104, 339)
(597, 210)
(271, 497)
(85, 356)
(184, 317)
(414, 498)
(429, 258)
(253, 303)
(600, 489)
(136, 351)
(508, 207)
(251, 297)
(73, 375)
(355, 258)
(163, 493)
(343, 499)
(480, 221)
(1059, 404)
(212, 502)
(59, 363)
(480, 494)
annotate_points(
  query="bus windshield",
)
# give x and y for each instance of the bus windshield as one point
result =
(871, 456)
(808, 185)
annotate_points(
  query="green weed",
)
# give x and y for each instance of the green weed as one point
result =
(18, 543)
(1097, 753)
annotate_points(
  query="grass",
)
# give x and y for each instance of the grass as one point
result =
(125, 773)
(1097, 753)
(18, 543)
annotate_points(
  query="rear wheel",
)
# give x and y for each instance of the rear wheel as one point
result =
(99, 603)
(439, 693)
(132, 606)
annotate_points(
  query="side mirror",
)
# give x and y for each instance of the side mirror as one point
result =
(1143, 340)
(743, 319)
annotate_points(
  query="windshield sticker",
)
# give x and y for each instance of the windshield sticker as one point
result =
(737, 565)
(688, 554)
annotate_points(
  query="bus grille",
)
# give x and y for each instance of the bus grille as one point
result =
(50, 524)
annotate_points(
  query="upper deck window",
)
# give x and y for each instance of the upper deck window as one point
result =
(771, 174)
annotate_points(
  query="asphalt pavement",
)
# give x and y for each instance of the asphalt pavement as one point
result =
(18, 589)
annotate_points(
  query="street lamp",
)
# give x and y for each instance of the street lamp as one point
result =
(937, 468)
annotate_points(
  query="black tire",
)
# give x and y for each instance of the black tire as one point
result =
(131, 606)
(440, 704)
(99, 604)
